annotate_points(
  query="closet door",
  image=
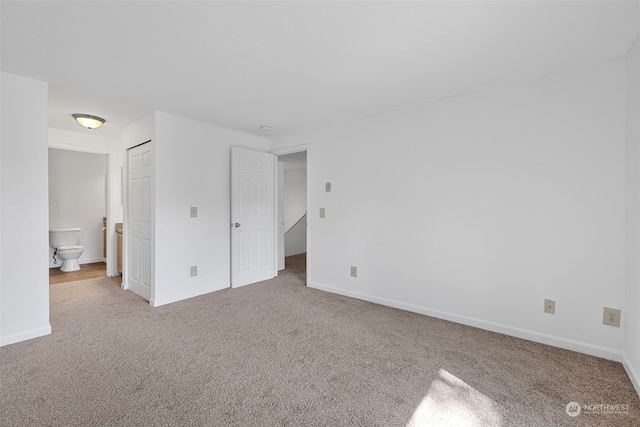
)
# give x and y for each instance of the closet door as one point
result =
(139, 220)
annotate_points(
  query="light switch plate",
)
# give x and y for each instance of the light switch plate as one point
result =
(322, 213)
(327, 187)
(194, 270)
(194, 212)
(354, 271)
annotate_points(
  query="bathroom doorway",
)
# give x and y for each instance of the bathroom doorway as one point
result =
(78, 198)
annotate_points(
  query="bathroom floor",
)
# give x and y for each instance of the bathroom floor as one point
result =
(87, 271)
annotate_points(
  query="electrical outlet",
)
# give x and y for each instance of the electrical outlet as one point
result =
(327, 187)
(322, 213)
(550, 306)
(194, 270)
(194, 212)
(611, 317)
(354, 271)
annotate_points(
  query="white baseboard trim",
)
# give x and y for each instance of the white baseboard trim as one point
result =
(91, 261)
(555, 341)
(633, 374)
(23, 336)
(84, 261)
(157, 302)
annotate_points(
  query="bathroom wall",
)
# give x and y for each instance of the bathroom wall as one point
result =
(77, 198)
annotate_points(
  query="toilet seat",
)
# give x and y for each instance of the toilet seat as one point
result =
(70, 248)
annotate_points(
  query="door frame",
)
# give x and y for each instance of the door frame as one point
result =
(290, 150)
(279, 188)
(110, 208)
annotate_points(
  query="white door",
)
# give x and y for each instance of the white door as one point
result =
(280, 224)
(252, 216)
(139, 220)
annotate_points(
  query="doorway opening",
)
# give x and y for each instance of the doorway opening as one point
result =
(78, 198)
(292, 211)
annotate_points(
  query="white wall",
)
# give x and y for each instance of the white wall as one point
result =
(295, 196)
(296, 238)
(77, 198)
(24, 282)
(477, 207)
(632, 297)
(190, 167)
(295, 206)
(113, 148)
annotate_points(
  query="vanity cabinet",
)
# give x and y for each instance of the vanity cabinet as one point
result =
(104, 237)
(119, 243)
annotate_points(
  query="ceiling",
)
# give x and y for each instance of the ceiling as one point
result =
(293, 65)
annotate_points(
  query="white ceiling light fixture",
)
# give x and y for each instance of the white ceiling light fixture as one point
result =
(89, 121)
(265, 128)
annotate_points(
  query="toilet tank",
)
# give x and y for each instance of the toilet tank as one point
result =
(64, 237)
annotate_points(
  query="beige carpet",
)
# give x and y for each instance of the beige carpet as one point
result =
(280, 354)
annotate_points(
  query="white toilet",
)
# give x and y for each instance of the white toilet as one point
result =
(66, 242)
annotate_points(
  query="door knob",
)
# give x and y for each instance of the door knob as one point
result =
(236, 225)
